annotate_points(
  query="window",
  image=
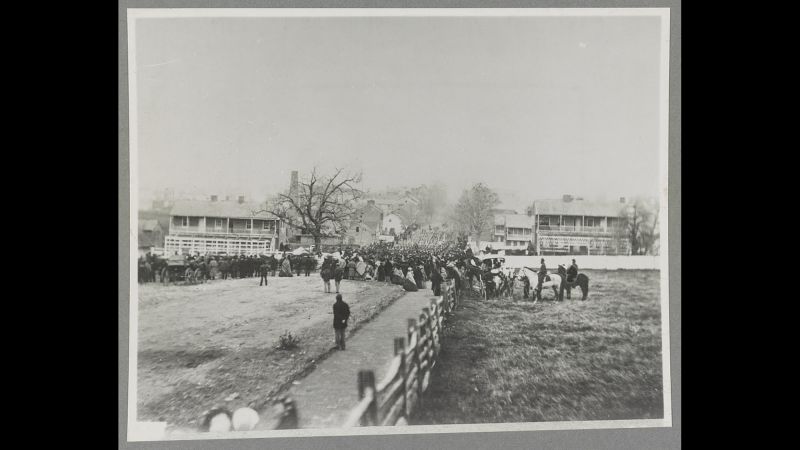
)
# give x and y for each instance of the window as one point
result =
(184, 221)
(592, 222)
(248, 224)
(356, 229)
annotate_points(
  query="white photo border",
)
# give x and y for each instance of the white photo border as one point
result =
(144, 431)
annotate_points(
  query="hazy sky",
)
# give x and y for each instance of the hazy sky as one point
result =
(536, 105)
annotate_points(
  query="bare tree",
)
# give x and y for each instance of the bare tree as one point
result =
(432, 200)
(322, 206)
(472, 214)
(640, 225)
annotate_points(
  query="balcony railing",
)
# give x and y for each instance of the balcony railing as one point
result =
(223, 231)
(519, 237)
(577, 229)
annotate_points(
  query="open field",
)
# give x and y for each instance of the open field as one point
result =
(512, 361)
(200, 345)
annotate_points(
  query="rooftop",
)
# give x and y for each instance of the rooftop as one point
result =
(207, 208)
(578, 208)
(518, 221)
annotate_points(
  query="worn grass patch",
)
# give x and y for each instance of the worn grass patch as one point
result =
(511, 361)
(185, 378)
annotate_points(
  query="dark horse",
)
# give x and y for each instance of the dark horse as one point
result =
(581, 281)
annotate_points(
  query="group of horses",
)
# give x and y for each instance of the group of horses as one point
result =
(501, 282)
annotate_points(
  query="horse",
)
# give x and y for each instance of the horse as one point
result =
(581, 281)
(550, 281)
(501, 282)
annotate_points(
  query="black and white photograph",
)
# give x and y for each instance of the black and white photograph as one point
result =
(354, 221)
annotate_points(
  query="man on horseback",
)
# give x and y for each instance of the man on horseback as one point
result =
(572, 272)
(542, 273)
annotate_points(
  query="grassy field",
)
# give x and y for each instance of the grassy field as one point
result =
(215, 344)
(512, 361)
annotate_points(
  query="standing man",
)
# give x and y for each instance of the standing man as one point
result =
(388, 270)
(214, 268)
(341, 312)
(273, 264)
(263, 270)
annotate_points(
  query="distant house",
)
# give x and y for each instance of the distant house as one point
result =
(222, 227)
(367, 226)
(571, 225)
(511, 232)
(394, 223)
(151, 237)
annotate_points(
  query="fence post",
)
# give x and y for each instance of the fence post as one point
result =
(288, 420)
(366, 379)
(423, 322)
(429, 333)
(435, 330)
(400, 349)
(413, 329)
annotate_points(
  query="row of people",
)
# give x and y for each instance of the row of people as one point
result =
(152, 268)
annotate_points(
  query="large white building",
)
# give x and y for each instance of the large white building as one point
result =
(511, 232)
(222, 227)
(571, 225)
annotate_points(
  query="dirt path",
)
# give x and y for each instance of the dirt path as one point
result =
(214, 344)
(324, 398)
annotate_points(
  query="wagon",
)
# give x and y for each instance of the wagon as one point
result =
(490, 260)
(175, 270)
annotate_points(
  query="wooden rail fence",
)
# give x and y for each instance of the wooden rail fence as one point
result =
(393, 400)
(399, 394)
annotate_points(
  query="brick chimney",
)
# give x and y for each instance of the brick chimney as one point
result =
(241, 199)
(566, 198)
(622, 200)
(214, 198)
(294, 188)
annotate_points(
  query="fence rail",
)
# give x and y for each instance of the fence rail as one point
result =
(400, 392)
(391, 401)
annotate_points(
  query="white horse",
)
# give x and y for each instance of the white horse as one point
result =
(554, 282)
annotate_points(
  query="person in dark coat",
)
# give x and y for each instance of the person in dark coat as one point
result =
(436, 282)
(339, 273)
(341, 313)
(381, 273)
(388, 270)
(224, 268)
(263, 270)
(409, 284)
(273, 264)
(418, 276)
(572, 272)
(542, 273)
(308, 264)
(326, 271)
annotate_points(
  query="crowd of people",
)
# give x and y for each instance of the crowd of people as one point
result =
(430, 257)
(153, 268)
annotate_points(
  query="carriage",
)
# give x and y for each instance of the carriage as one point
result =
(174, 270)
